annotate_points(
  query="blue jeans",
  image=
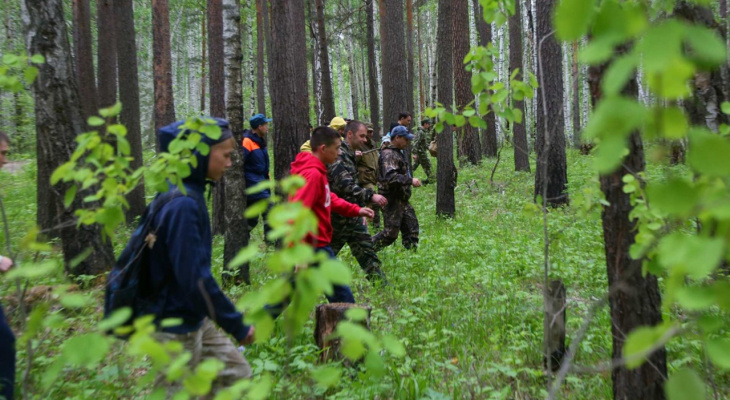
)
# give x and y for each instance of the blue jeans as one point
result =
(7, 358)
(340, 293)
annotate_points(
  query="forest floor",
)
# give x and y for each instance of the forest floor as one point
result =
(467, 305)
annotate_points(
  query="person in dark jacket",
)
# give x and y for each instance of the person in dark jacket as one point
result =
(7, 339)
(256, 164)
(180, 264)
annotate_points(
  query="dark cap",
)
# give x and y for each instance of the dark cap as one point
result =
(401, 131)
(426, 121)
(258, 120)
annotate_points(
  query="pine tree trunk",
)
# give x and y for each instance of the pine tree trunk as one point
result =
(162, 68)
(260, 80)
(395, 67)
(354, 85)
(446, 171)
(84, 58)
(577, 141)
(236, 227)
(633, 297)
(289, 95)
(372, 69)
(217, 99)
(328, 97)
(128, 79)
(409, 53)
(58, 121)
(203, 41)
(106, 54)
(489, 135)
(519, 132)
(468, 135)
(316, 65)
(551, 177)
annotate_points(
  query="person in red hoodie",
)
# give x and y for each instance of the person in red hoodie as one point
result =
(316, 195)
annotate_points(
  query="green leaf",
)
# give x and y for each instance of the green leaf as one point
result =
(708, 153)
(112, 111)
(85, 350)
(374, 364)
(572, 18)
(357, 314)
(696, 298)
(640, 341)
(327, 376)
(69, 196)
(30, 73)
(75, 300)
(37, 59)
(726, 107)
(117, 318)
(619, 73)
(696, 256)
(243, 256)
(257, 208)
(707, 47)
(609, 153)
(95, 121)
(394, 346)
(719, 352)
(677, 197)
(685, 384)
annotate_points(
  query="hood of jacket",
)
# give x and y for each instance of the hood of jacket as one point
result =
(198, 174)
(305, 161)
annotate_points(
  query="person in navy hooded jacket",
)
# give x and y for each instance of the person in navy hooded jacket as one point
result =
(256, 164)
(180, 265)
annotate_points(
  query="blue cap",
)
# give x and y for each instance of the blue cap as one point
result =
(258, 120)
(401, 130)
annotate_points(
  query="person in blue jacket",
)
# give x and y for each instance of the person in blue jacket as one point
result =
(180, 262)
(256, 164)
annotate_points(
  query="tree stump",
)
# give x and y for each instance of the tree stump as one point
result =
(327, 316)
(554, 325)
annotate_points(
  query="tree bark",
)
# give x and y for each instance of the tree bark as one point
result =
(354, 85)
(633, 298)
(58, 121)
(372, 69)
(326, 318)
(217, 98)
(236, 226)
(468, 136)
(393, 43)
(577, 141)
(204, 39)
(129, 96)
(289, 94)
(316, 65)
(106, 59)
(445, 171)
(410, 82)
(260, 80)
(328, 97)
(519, 133)
(489, 135)
(551, 177)
(162, 66)
(84, 58)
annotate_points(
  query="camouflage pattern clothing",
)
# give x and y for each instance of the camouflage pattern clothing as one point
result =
(342, 176)
(420, 149)
(367, 173)
(394, 182)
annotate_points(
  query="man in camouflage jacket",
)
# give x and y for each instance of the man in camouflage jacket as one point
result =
(394, 182)
(343, 181)
(420, 150)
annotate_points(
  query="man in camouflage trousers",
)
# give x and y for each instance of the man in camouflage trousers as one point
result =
(343, 180)
(420, 150)
(394, 182)
(367, 167)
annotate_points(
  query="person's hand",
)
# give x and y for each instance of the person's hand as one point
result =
(416, 182)
(5, 264)
(379, 200)
(415, 157)
(358, 153)
(248, 339)
(367, 212)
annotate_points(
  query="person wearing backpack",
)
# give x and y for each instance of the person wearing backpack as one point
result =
(179, 267)
(7, 339)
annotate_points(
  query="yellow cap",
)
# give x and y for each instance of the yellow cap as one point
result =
(338, 123)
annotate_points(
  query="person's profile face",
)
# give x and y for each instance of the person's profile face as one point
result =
(405, 121)
(330, 153)
(219, 159)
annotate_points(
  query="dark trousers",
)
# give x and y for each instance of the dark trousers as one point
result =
(253, 222)
(340, 293)
(354, 232)
(398, 217)
(7, 358)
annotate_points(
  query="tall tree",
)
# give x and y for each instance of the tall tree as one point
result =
(633, 297)
(217, 97)
(393, 44)
(446, 171)
(58, 122)
(328, 97)
(260, 40)
(577, 141)
(489, 134)
(289, 95)
(128, 79)
(84, 58)
(410, 82)
(316, 66)
(372, 67)
(519, 132)
(551, 177)
(468, 136)
(162, 66)
(236, 227)
(202, 65)
(106, 53)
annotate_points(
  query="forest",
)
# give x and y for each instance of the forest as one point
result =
(565, 231)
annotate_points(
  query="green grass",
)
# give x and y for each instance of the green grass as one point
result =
(467, 305)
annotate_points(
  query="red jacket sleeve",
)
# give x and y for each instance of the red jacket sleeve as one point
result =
(343, 207)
